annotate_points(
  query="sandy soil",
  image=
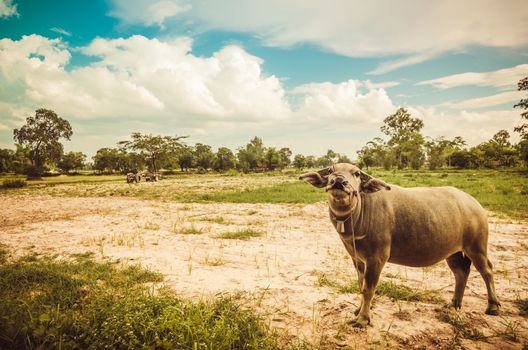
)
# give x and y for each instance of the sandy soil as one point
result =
(277, 273)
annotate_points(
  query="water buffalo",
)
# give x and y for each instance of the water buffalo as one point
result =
(131, 177)
(380, 223)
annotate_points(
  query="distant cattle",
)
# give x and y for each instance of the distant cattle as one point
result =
(151, 177)
(131, 177)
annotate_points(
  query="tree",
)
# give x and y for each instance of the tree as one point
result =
(251, 157)
(154, 148)
(310, 161)
(405, 138)
(285, 156)
(328, 159)
(225, 159)
(522, 85)
(299, 161)
(463, 159)
(42, 134)
(497, 152)
(272, 159)
(439, 151)
(185, 157)
(7, 157)
(72, 161)
(522, 149)
(376, 153)
(341, 158)
(21, 161)
(203, 156)
(108, 159)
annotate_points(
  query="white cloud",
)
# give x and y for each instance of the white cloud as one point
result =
(147, 12)
(8, 9)
(60, 31)
(159, 86)
(474, 127)
(343, 101)
(410, 30)
(488, 101)
(403, 62)
(138, 77)
(382, 85)
(503, 78)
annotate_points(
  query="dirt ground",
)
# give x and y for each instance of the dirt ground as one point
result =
(279, 272)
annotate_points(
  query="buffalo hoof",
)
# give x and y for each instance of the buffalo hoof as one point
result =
(360, 322)
(454, 304)
(493, 309)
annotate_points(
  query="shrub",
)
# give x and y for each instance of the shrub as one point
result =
(14, 183)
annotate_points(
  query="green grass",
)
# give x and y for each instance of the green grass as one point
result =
(67, 179)
(501, 191)
(243, 234)
(46, 303)
(296, 192)
(388, 289)
(504, 192)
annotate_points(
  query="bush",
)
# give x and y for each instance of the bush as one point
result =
(14, 183)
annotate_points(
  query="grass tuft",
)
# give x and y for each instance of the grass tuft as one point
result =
(243, 234)
(192, 230)
(522, 304)
(324, 281)
(462, 325)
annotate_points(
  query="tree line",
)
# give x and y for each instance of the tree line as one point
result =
(39, 150)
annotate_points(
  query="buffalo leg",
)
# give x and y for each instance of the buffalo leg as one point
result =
(484, 266)
(360, 269)
(460, 265)
(372, 273)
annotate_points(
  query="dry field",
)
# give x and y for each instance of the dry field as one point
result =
(295, 272)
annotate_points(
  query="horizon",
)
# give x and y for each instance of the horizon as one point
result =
(303, 75)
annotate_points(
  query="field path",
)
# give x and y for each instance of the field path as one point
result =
(279, 273)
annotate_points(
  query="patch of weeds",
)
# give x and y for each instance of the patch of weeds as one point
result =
(128, 239)
(401, 292)
(14, 183)
(218, 261)
(151, 226)
(388, 289)
(522, 304)
(217, 220)
(324, 281)
(192, 230)
(243, 234)
(462, 325)
(46, 303)
(510, 331)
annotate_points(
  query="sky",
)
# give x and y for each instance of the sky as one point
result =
(305, 74)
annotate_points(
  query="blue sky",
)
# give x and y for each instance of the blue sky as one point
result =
(304, 74)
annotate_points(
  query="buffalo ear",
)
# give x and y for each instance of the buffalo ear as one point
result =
(318, 179)
(370, 184)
